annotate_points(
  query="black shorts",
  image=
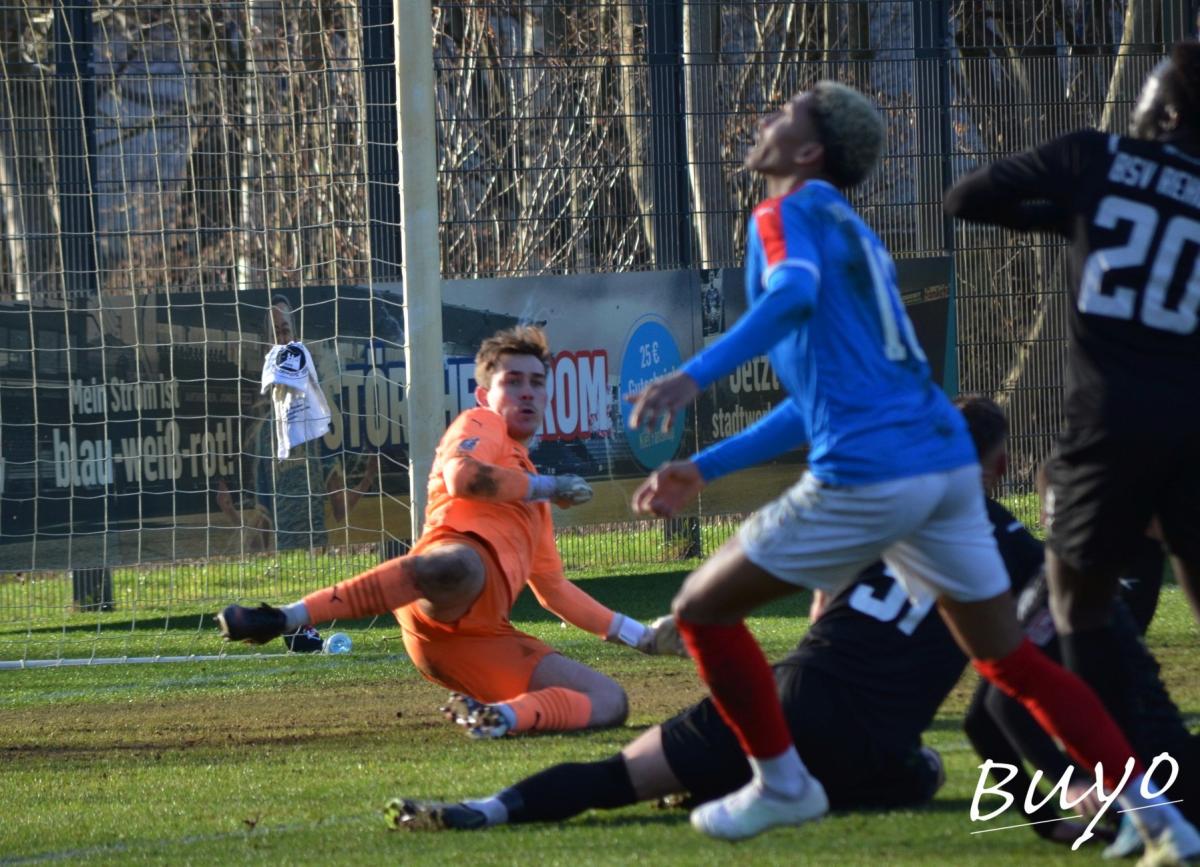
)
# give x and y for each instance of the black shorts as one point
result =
(858, 766)
(1106, 488)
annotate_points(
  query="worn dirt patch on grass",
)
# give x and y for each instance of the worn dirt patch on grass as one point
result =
(367, 712)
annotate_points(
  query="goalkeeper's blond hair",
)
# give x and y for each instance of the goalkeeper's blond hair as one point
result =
(851, 130)
(519, 340)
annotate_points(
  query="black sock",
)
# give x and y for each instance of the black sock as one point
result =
(567, 790)
(1097, 656)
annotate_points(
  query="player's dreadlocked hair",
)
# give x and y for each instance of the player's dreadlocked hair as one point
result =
(851, 130)
(985, 421)
(519, 340)
(1169, 103)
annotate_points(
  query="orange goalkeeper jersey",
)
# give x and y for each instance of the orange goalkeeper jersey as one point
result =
(521, 533)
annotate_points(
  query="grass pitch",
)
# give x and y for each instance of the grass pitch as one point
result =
(290, 760)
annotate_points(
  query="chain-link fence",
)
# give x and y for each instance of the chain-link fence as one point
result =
(609, 135)
(154, 156)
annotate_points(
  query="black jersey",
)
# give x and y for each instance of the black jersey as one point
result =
(900, 657)
(1131, 209)
(1023, 554)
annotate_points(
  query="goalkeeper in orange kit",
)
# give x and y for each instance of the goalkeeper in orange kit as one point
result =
(488, 531)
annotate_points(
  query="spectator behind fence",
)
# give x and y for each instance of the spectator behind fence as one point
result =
(289, 495)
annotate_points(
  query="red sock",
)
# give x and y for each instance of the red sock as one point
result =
(1065, 707)
(743, 689)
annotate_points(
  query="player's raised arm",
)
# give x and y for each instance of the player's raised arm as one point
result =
(753, 335)
(779, 431)
(1030, 191)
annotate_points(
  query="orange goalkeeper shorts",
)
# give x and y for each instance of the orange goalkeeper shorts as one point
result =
(481, 654)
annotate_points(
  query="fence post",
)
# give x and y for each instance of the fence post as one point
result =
(92, 589)
(379, 88)
(935, 134)
(74, 133)
(668, 134)
(682, 536)
(672, 202)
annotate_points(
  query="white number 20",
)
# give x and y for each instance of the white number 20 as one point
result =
(1121, 301)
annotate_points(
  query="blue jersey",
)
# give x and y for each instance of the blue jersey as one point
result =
(824, 306)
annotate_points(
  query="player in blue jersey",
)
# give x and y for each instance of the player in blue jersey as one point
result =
(892, 471)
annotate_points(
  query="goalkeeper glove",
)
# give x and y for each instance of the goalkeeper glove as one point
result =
(660, 638)
(565, 490)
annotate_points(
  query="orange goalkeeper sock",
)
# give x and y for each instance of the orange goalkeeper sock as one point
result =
(380, 590)
(555, 709)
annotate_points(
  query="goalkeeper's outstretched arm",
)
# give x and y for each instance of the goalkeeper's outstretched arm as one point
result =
(473, 479)
(568, 601)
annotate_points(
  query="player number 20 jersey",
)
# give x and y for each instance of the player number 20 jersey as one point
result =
(1131, 209)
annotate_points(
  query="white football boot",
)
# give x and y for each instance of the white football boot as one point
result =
(752, 809)
(1176, 845)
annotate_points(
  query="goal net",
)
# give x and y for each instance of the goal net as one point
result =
(182, 187)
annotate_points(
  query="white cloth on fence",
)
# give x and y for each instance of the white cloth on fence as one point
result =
(301, 411)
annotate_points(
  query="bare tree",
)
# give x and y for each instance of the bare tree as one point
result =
(32, 266)
(631, 75)
(706, 112)
(536, 168)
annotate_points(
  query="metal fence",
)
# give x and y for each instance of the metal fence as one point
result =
(160, 146)
(609, 135)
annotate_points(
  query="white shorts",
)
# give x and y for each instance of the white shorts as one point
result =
(931, 530)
